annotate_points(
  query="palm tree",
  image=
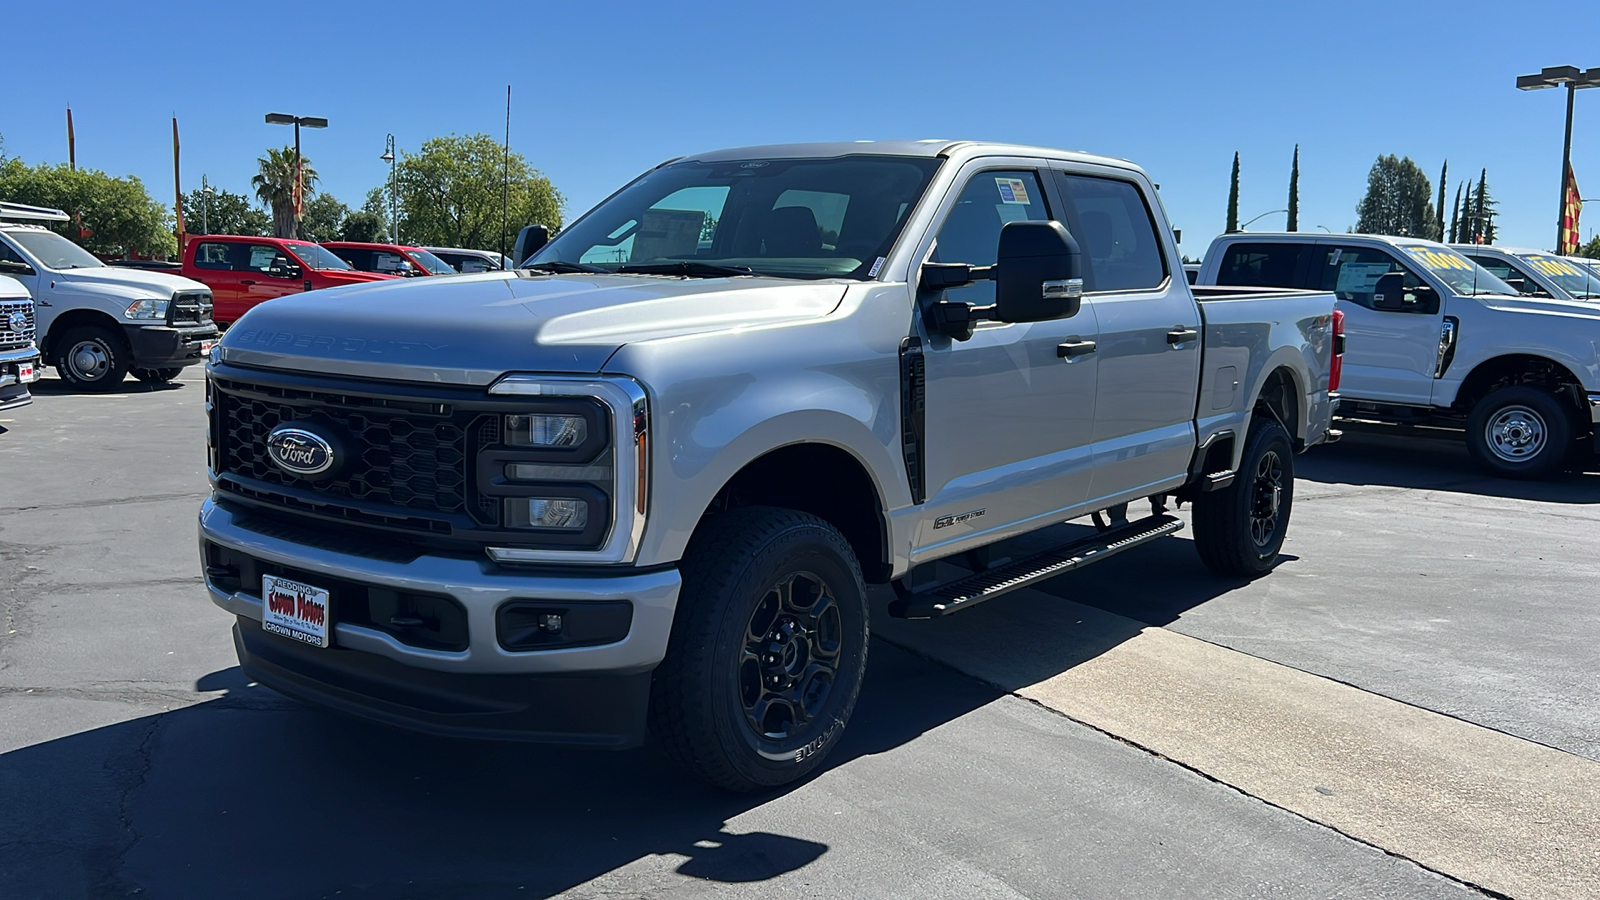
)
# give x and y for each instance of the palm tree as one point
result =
(274, 186)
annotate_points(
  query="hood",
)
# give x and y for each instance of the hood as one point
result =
(1576, 309)
(135, 283)
(470, 329)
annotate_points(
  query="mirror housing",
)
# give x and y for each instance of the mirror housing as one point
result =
(15, 267)
(530, 240)
(1038, 273)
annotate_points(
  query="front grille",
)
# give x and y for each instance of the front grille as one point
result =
(10, 339)
(190, 308)
(408, 466)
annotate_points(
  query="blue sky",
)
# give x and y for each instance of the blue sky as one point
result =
(603, 91)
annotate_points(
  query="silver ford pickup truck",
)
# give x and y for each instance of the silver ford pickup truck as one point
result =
(641, 483)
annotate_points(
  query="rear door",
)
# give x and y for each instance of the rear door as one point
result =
(1390, 355)
(1149, 344)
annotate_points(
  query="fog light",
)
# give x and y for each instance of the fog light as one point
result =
(544, 512)
(551, 622)
(546, 431)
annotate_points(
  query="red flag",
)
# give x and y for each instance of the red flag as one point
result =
(177, 189)
(299, 186)
(1570, 208)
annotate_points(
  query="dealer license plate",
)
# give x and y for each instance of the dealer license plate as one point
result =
(205, 348)
(295, 610)
(26, 373)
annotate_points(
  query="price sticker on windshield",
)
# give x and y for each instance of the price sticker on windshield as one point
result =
(1439, 259)
(1552, 267)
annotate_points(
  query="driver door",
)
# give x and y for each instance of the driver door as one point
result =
(1009, 413)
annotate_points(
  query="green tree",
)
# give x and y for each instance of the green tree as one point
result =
(110, 216)
(322, 218)
(225, 213)
(450, 194)
(1477, 213)
(1455, 216)
(377, 204)
(1397, 200)
(1444, 179)
(1294, 192)
(1591, 249)
(274, 186)
(364, 226)
(1233, 195)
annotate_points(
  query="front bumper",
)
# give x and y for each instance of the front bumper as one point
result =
(166, 346)
(18, 369)
(588, 695)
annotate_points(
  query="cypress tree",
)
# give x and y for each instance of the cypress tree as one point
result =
(1444, 175)
(1233, 196)
(1455, 218)
(1294, 191)
(1480, 211)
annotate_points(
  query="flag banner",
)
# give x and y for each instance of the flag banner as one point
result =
(177, 188)
(1571, 207)
(72, 144)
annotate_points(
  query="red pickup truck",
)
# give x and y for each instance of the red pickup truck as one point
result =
(393, 259)
(244, 271)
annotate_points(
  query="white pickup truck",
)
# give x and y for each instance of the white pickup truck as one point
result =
(1535, 273)
(19, 358)
(1436, 339)
(647, 476)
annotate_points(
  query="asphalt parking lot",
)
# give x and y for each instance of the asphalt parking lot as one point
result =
(1409, 706)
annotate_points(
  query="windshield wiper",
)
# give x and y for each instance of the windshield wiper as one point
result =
(686, 268)
(559, 267)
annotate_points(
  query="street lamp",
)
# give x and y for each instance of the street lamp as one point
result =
(205, 205)
(1263, 216)
(1574, 79)
(394, 216)
(299, 184)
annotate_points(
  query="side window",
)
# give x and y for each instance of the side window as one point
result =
(357, 258)
(10, 255)
(389, 263)
(1353, 272)
(1262, 265)
(971, 232)
(264, 259)
(1510, 274)
(212, 255)
(1116, 232)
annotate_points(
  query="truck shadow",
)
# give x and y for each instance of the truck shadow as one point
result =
(54, 387)
(1389, 457)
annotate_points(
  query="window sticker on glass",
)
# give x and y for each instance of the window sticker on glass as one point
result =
(1013, 190)
(1551, 266)
(877, 265)
(1360, 277)
(1439, 260)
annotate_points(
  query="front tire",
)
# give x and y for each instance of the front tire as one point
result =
(1519, 432)
(1239, 530)
(767, 652)
(92, 358)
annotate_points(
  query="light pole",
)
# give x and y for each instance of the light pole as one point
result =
(205, 206)
(1263, 216)
(1574, 79)
(394, 216)
(299, 183)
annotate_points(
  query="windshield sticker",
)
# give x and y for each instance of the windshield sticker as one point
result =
(1439, 260)
(1360, 277)
(1013, 190)
(877, 264)
(1553, 267)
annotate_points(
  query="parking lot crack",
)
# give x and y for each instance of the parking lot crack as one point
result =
(116, 501)
(131, 770)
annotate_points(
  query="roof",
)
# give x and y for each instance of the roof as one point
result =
(930, 148)
(1513, 251)
(366, 245)
(1315, 236)
(251, 238)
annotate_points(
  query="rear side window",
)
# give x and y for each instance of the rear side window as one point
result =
(1116, 232)
(1262, 265)
(213, 255)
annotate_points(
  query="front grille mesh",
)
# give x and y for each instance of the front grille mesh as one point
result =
(9, 339)
(190, 308)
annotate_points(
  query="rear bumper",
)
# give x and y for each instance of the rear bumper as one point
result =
(580, 694)
(166, 346)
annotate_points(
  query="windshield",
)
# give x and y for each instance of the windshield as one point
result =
(318, 257)
(1461, 275)
(54, 251)
(1580, 282)
(790, 218)
(432, 263)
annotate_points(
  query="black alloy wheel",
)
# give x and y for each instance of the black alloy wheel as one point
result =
(790, 657)
(1239, 530)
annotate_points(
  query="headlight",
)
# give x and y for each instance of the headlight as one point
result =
(546, 431)
(147, 309)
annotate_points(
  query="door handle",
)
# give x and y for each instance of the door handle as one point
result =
(1181, 335)
(1073, 349)
(247, 281)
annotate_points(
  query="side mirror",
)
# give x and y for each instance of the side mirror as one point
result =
(1038, 273)
(530, 240)
(16, 267)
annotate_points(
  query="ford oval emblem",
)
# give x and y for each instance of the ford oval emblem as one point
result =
(299, 452)
(18, 322)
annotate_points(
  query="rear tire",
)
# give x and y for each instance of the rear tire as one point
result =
(157, 376)
(92, 358)
(1520, 432)
(1239, 530)
(767, 653)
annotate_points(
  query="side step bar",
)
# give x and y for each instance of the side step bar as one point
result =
(955, 596)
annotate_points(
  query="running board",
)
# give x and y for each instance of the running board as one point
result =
(952, 597)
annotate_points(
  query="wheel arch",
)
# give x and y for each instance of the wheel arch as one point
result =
(75, 318)
(1510, 369)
